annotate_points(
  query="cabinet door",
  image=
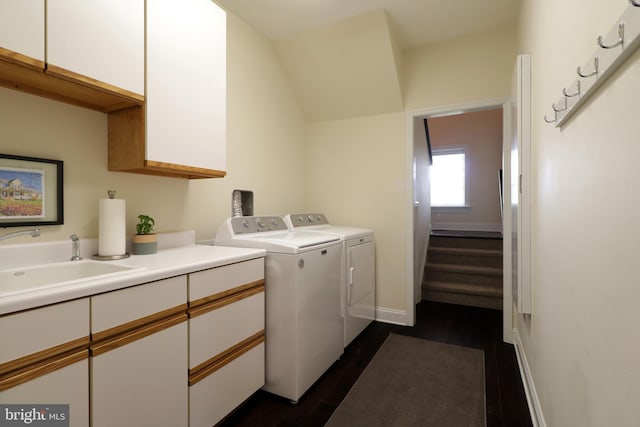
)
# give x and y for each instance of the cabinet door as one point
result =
(66, 386)
(22, 27)
(186, 83)
(44, 358)
(139, 355)
(100, 39)
(143, 383)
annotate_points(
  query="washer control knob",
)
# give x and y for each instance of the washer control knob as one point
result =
(245, 223)
(259, 222)
(310, 218)
(300, 219)
(273, 221)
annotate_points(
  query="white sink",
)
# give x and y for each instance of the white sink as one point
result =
(20, 280)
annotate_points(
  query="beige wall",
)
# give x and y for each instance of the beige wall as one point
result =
(265, 151)
(480, 132)
(356, 174)
(582, 338)
(357, 169)
(469, 68)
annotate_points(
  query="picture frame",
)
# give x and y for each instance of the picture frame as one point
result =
(31, 191)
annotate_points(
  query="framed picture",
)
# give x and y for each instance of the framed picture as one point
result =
(30, 191)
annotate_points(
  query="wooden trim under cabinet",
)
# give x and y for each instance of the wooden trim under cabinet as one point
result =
(126, 333)
(213, 302)
(25, 74)
(208, 367)
(17, 371)
(128, 338)
(43, 355)
(127, 149)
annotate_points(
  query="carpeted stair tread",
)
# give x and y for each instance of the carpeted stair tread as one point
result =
(464, 288)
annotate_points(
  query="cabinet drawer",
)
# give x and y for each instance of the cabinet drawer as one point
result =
(127, 305)
(216, 331)
(216, 281)
(221, 392)
(40, 329)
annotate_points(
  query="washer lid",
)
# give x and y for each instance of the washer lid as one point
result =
(234, 232)
(318, 222)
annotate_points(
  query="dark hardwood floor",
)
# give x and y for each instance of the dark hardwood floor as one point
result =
(465, 326)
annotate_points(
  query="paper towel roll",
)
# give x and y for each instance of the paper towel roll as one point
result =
(112, 228)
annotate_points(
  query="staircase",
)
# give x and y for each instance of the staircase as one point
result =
(464, 268)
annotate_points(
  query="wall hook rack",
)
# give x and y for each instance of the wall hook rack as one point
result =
(559, 109)
(571, 95)
(619, 42)
(593, 73)
(605, 60)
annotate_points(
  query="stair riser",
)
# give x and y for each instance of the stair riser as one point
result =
(469, 300)
(463, 242)
(449, 276)
(482, 261)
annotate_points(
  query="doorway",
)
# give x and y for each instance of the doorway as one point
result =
(421, 209)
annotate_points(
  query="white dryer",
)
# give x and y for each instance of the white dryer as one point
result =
(358, 293)
(302, 293)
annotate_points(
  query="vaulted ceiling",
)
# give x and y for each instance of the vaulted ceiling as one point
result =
(344, 57)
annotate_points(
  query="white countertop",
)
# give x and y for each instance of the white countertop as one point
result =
(168, 262)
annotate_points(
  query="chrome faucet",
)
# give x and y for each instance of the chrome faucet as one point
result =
(34, 233)
(75, 251)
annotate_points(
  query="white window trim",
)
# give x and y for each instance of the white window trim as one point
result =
(456, 149)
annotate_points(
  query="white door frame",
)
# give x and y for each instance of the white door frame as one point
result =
(446, 110)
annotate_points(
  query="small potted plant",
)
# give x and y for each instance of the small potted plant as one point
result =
(145, 242)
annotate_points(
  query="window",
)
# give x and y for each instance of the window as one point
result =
(448, 179)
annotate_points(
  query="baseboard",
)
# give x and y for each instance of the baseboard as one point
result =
(473, 226)
(389, 315)
(537, 418)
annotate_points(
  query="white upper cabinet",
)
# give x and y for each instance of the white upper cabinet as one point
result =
(99, 39)
(186, 83)
(22, 27)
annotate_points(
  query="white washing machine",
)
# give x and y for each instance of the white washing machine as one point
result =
(358, 293)
(302, 293)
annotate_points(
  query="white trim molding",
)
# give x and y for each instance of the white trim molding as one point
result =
(390, 315)
(535, 410)
(466, 226)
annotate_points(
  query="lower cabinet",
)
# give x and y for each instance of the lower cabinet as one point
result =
(139, 356)
(183, 351)
(216, 395)
(226, 339)
(142, 383)
(44, 358)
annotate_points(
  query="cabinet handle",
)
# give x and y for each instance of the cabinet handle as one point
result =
(15, 378)
(134, 335)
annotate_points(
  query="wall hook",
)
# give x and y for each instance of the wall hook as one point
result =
(571, 95)
(620, 41)
(634, 3)
(551, 121)
(593, 73)
(556, 109)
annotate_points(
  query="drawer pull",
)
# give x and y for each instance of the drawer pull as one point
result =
(218, 361)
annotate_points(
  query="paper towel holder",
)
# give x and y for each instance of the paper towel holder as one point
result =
(97, 257)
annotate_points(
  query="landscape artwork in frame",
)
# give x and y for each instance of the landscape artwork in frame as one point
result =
(30, 191)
